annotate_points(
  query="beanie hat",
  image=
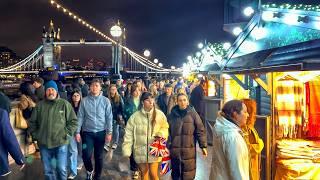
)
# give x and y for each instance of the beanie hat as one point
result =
(145, 96)
(51, 84)
(168, 85)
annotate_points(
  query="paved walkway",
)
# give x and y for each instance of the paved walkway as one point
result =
(116, 168)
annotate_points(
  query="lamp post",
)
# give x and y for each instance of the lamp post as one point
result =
(160, 65)
(156, 62)
(147, 54)
(116, 32)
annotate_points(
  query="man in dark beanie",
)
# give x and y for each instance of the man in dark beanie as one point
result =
(166, 101)
(52, 122)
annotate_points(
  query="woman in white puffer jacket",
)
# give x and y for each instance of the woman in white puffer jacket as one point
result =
(143, 127)
(230, 158)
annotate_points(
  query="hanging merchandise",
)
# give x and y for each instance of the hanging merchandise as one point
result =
(289, 99)
(313, 106)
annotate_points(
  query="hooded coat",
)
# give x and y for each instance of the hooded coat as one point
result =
(186, 128)
(230, 158)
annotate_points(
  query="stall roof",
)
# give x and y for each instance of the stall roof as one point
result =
(277, 40)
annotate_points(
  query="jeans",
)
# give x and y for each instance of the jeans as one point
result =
(115, 132)
(93, 142)
(55, 162)
(73, 156)
(79, 147)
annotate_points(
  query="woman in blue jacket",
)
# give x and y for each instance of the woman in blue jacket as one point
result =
(8, 144)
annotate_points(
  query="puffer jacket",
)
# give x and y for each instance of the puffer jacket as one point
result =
(185, 129)
(230, 158)
(138, 135)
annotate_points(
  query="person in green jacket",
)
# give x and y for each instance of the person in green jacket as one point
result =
(52, 123)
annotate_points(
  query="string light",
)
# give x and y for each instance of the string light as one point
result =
(136, 56)
(211, 52)
(294, 7)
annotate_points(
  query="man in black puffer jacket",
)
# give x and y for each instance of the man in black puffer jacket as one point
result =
(185, 128)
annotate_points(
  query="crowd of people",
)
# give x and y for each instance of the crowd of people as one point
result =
(73, 125)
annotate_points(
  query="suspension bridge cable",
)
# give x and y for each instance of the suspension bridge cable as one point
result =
(142, 60)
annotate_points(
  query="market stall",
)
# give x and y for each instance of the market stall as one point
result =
(280, 50)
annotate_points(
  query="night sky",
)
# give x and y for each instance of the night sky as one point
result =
(171, 29)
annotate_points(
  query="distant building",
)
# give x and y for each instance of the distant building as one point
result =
(8, 57)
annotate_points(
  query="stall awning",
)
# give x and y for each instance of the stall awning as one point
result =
(276, 44)
(296, 57)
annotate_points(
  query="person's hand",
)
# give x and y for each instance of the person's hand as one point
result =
(108, 137)
(157, 137)
(78, 138)
(205, 152)
(22, 166)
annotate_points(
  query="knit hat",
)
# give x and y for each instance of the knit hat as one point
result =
(51, 84)
(168, 85)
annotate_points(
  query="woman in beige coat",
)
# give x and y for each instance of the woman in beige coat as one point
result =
(143, 127)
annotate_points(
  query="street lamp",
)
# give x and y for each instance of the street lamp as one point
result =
(248, 11)
(200, 45)
(156, 61)
(116, 32)
(147, 54)
(160, 65)
(236, 31)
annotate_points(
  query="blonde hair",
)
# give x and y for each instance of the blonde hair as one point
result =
(153, 90)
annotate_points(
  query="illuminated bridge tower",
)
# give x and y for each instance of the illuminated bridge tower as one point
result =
(52, 53)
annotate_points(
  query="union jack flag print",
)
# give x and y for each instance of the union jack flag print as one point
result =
(165, 165)
(158, 148)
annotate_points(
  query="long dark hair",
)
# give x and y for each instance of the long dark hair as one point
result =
(26, 89)
(143, 97)
(76, 90)
(133, 89)
(116, 99)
